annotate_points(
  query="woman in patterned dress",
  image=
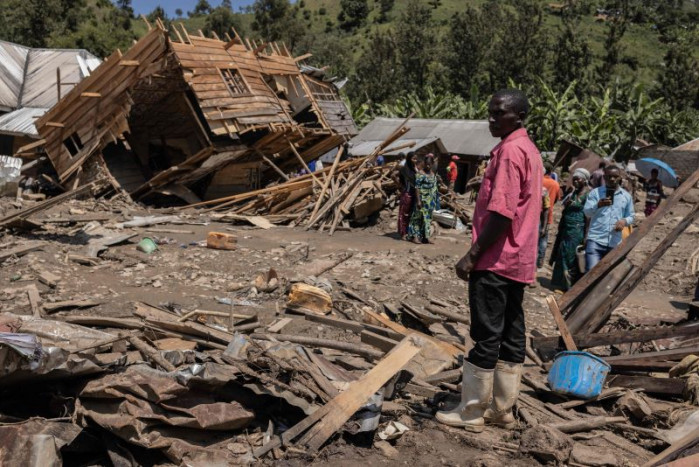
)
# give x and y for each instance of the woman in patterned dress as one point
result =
(426, 183)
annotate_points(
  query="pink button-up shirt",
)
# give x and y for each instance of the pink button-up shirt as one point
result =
(511, 187)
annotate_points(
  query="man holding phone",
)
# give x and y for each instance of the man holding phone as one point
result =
(610, 210)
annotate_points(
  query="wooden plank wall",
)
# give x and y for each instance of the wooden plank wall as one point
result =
(202, 60)
(98, 117)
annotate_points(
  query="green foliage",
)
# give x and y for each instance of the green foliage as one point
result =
(201, 8)
(377, 71)
(220, 21)
(678, 82)
(274, 20)
(415, 41)
(352, 13)
(465, 51)
(572, 56)
(385, 6)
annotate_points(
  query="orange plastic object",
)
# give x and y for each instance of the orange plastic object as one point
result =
(221, 241)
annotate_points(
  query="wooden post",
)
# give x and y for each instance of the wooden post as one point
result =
(58, 83)
(602, 313)
(303, 163)
(274, 166)
(579, 317)
(338, 156)
(560, 322)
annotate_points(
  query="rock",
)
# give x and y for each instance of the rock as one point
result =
(546, 444)
(594, 456)
(386, 449)
(692, 196)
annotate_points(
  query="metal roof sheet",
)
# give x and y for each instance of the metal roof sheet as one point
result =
(466, 137)
(28, 77)
(365, 148)
(21, 121)
(12, 60)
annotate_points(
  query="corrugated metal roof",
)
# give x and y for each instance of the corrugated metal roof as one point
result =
(365, 148)
(28, 79)
(466, 137)
(12, 60)
(688, 146)
(21, 122)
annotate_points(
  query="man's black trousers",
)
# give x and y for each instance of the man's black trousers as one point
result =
(497, 319)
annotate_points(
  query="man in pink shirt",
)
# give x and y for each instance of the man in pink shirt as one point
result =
(502, 259)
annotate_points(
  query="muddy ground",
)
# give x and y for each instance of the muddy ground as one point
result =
(183, 274)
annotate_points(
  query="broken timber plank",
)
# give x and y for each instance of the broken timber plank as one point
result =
(586, 424)
(445, 346)
(21, 250)
(56, 306)
(670, 354)
(362, 350)
(600, 315)
(151, 354)
(619, 253)
(560, 322)
(24, 213)
(675, 449)
(34, 300)
(551, 344)
(330, 418)
(649, 384)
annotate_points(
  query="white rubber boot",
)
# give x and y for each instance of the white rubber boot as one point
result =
(505, 391)
(476, 389)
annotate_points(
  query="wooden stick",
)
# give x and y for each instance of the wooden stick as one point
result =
(331, 174)
(151, 354)
(274, 166)
(303, 163)
(362, 350)
(586, 424)
(560, 322)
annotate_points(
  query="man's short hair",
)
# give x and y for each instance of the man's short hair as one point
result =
(602, 164)
(548, 167)
(611, 167)
(515, 98)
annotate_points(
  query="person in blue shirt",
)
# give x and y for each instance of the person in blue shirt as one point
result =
(610, 210)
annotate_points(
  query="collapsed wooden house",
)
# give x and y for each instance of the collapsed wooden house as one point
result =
(193, 117)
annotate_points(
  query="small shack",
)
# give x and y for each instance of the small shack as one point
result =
(469, 139)
(194, 117)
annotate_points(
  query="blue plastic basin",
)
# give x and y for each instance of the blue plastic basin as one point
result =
(578, 374)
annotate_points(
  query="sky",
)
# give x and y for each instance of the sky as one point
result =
(146, 6)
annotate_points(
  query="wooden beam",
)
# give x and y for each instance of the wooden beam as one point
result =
(600, 316)
(131, 62)
(675, 450)
(90, 94)
(328, 419)
(616, 255)
(552, 344)
(274, 166)
(303, 57)
(560, 322)
(671, 354)
(55, 124)
(649, 384)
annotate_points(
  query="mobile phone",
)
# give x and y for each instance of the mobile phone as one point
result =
(610, 195)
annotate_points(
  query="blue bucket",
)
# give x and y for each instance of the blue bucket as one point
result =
(578, 374)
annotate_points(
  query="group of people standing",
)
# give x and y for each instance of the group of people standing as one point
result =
(597, 215)
(419, 197)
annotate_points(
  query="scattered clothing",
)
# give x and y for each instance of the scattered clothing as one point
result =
(380, 161)
(421, 218)
(571, 233)
(603, 220)
(511, 187)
